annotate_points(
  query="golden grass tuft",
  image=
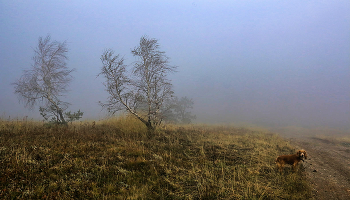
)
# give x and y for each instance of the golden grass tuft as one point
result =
(114, 159)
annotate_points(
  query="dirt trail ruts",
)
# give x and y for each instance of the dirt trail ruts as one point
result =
(327, 167)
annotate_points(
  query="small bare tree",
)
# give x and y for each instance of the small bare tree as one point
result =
(47, 81)
(145, 89)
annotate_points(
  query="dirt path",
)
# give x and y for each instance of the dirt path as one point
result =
(327, 166)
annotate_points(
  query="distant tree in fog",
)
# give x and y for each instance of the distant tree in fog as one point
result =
(146, 89)
(47, 81)
(178, 111)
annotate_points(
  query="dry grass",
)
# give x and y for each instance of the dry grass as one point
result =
(114, 159)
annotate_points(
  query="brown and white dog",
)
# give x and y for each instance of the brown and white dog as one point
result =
(293, 159)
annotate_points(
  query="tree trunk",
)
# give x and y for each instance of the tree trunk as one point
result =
(61, 117)
(150, 129)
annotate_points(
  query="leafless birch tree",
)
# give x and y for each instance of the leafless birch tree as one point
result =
(47, 81)
(144, 90)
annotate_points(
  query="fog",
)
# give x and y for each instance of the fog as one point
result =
(270, 63)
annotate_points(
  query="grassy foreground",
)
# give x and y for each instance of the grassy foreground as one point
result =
(113, 159)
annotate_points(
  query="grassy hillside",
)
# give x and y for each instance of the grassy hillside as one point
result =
(113, 159)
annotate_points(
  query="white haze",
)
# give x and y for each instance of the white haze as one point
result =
(274, 63)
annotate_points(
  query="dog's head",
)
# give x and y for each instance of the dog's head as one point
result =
(302, 154)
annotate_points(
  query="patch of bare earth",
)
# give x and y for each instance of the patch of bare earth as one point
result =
(327, 166)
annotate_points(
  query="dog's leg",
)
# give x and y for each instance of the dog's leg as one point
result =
(295, 165)
(280, 167)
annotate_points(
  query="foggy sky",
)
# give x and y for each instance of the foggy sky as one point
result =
(264, 62)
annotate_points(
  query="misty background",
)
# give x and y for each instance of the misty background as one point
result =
(273, 63)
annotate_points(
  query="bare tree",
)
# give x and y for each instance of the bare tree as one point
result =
(142, 91)
(47, 81)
